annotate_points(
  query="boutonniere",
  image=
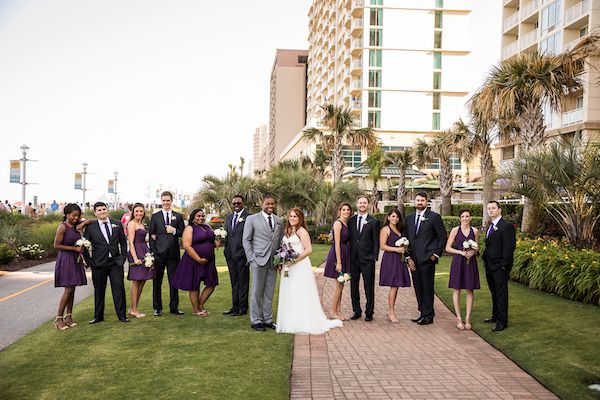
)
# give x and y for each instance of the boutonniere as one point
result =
(173, 218)
(423, 219)
(240, 219)
(366, 221)
(114, 225)
(495, 228)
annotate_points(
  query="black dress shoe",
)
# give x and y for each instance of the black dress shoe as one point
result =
(498, 328)
(96, 320)
(356, 316)
(124, 319)
(229, 312)
(176, 312)
(238, 313)
(269, 325)
(425, 321)
(368, 318)
(420, 317)
(157, 313)
(489, 320)
(258, 327)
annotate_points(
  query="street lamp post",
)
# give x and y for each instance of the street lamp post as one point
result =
(24, 149)
(115, 189)
(84, 174)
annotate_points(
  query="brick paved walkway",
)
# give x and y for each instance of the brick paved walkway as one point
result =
(381, 360)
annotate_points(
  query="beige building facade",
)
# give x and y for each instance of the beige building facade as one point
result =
(259, 153)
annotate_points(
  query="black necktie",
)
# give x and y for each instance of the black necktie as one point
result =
(168, 220)
(107, 231)
(270, 223)
(360, 224)
(417, 224)
(235, 217)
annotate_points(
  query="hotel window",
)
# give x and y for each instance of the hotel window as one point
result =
(376, 17)
(395, 148)
(551, 45)
(455, 163)
(374, 119)
(437, 40)
(439, 3)
(437, 60)
(579, 103)
(352, 156)
(435, 121)
(374, 99)
(376, 2)
(436, 100)
(437, 80)
(375, 78)
(438, 20)
(376, 37)
(551, 17)
(435, 164)
(508, 153)
(583, 31)
(375, 58)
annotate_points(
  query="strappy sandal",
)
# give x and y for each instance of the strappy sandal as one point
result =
(69, 324)
(56, 323)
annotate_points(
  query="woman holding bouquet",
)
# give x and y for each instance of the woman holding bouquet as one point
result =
(69, 271)
(139, 272)
(463, 271)
(394, 272)
(198, 262)
(338, 259)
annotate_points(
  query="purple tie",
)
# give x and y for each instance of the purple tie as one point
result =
(490, 229)
(417, 224)
(235, 217)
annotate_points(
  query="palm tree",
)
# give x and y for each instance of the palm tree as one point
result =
(401, 160)
(376, 162)
(341, 129)
(440, 147)
(520, 86)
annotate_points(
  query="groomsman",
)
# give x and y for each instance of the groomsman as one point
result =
(364, 251)
(427, 236)
(166, 227)
(500, 243)
(239, 272)
(109, 251)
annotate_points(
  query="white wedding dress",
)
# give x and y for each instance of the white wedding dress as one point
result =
(299, 309)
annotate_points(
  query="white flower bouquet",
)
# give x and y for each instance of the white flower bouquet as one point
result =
(470, 245)
(343, 277)
(402, 242)
(220, 233)
(148, 260)
(83, 242)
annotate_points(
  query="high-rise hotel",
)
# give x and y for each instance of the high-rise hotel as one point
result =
(404, 67)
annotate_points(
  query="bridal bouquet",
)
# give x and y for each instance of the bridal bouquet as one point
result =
(343, 277)
(470, 245)
(402, 242)
(85, 243)
(285, 255)
(148, 260)
(220, 233)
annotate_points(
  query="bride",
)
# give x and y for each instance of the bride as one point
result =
(299, 309)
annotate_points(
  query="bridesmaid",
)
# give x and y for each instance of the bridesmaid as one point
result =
(198, 262)
(463, 271)
(69, 271)
(338, 259)
(394, 272)
(138, 272)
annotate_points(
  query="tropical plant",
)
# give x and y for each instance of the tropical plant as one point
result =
(376, 162)
(565, 180)
(340, 128)
(401, 160)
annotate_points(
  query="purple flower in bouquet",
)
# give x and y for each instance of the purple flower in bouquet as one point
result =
(284, 255)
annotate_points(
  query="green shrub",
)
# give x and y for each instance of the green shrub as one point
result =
(117, 214)
(316, 232)
(55, 217)
(7, 254)
(553, 266)
(31, 251)
(43, 234)
(14, 235)
(476, 210)
(451, 222)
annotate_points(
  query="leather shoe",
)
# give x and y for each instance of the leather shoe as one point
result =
(368, 318)
(425, 321)
(157, 313)
(356, 316)
(269, 325)
(95, 321)
(124, 319)
(176, 312)
(238, 313)
(258, 327)
(420, 317)
(489, 320)
(229, 312)
(498, 328)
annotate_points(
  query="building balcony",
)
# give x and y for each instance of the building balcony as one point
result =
(356, 66)
(357, 8)
(357, 27)
(529, 9)
(511, 21)
(356, 105)
(356, 87)
(572, 117)
(529, 39)
(510, 3)
(575, 13)
(356, 46)
(569, 46)
(510, 50)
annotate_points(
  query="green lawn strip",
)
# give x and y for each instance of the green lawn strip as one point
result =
(218, 357)
(554, 339)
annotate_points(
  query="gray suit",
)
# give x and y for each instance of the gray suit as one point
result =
(260, 243)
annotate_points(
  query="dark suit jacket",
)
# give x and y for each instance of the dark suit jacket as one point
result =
(166, 245)
(101, 248)
(500, 247)
(234, 250)
(364, 246)
(430, 240)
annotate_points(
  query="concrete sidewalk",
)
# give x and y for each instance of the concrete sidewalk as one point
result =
(381, 360)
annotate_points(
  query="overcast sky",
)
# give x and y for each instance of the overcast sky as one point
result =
(164, 92)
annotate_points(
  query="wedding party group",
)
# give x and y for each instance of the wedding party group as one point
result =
(265, 245)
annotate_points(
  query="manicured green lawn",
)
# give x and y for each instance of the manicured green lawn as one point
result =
(554, 339)
(170, 357)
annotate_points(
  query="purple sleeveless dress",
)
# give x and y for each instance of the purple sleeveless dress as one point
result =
(68, 272)
(189, 273)
(393, 272)
(463, 276)
(139, 272)
(330, 271)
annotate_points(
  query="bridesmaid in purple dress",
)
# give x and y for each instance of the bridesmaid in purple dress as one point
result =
(138, 272)
(69, 271)
(338, 259)
(394, 272)
(463, 271)
(198, 262)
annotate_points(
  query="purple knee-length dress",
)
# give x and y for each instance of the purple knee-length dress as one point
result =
(330, 263)
(189, 273)
(68, 272)
(463, 276)
(393, 271)
(140, 272)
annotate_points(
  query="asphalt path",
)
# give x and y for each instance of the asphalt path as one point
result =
(28, 298)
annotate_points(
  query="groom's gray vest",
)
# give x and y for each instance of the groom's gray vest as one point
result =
(259, 241)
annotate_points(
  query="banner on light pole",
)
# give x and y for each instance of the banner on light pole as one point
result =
(111, 186)
(78, 181)
(15, 171)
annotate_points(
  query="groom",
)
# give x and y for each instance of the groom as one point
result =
(261, 239)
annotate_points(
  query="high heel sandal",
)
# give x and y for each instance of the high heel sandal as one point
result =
(56, 321)
(202, 313)
(136, 314)
(468, 326)
(393, 321)
(69, 324)
(460, 326)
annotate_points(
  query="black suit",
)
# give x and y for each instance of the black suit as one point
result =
(166, 253)
(498, 259)
(107, 262)
(239, 272)
(429, 240)
(364, 251)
